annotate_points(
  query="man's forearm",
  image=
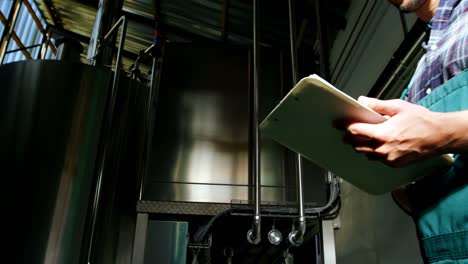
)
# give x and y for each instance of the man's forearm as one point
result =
(455, 131)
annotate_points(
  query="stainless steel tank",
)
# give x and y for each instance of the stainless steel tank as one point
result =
(202, 144)
(50, 126)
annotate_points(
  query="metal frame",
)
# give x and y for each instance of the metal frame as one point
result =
(24, 48)
(122, 21)
(139, 240)
(9, 32)
(39, 26)
(328, 242)
(9, 26)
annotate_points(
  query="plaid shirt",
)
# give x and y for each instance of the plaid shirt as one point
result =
(446, 51)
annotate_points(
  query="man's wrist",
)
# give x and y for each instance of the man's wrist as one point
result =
(453, 130)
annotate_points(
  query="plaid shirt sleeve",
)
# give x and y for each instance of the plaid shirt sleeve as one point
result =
(446, 50)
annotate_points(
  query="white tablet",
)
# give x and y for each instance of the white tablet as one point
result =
(304, 122)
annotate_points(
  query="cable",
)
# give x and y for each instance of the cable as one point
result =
(201, 233)
(314, 211)
(334, 194)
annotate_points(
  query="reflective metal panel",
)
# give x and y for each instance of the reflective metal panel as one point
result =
(115, 223)
(50, 114)
(200, 150)
(201, 131)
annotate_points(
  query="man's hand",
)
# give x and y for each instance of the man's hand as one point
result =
(411, 133)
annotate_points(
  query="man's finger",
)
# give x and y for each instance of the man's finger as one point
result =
(364, 130)
(388, 107)
(364, 149)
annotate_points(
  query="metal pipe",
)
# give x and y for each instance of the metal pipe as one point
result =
(292, 41)
(153, 93)
(296, 236)
(107, 132)
(255, 116)
(147, 50)
(285, 151)
(402, 65)
(118, 61)
(121, 20)
(148, 126)
(253, 235)
(110, 33)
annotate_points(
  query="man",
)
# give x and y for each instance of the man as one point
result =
(433, 119)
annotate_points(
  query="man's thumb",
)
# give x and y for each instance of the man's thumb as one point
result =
(384, 107)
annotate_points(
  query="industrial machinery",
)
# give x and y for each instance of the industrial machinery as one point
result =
(140, 142)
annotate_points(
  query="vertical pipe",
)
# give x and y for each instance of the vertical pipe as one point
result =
(118, 62)
(106, 133)
(152, 97)
(296, 236)
(147, 129)
(292, 40)
(253, 235)
(284, 152)
(255, 114)
(158, 42)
